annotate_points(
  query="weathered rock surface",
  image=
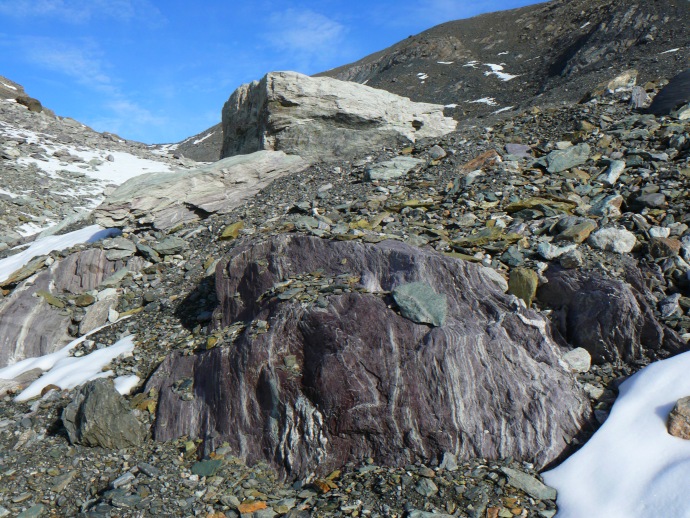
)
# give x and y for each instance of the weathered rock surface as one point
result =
(674, 95)
(29, 325)
(99, 416)
(608, 317)
(679, 419)
(164, 200)
(310, 387)
(323, 118)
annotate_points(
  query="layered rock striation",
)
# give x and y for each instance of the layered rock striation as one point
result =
(309, 387)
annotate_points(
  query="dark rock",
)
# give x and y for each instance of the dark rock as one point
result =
(675, 94)
(608, 317)
(33, 105)
(664, 247)
(99, 416)
(364, 381)
(654, 200)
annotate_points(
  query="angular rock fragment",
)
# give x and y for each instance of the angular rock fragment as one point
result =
(99, 416)
(679, 419)
(364, 381)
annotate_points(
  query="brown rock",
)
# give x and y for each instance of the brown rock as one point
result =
(523, 284)
(485, 160)
(679, 419)
(578, 233)
(664, 247)
(250, 507)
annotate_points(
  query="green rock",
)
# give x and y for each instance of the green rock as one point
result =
(420, 303)
(33, 511)
(391, 169)
(529, 484)
(51, 299)
(523, 284)
(232, 231)
(558, 161)
(578, 233)
(84, 300)
(206, 468)
(171, 246)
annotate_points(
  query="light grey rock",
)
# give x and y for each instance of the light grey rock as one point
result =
(449, 462)
(170, 246)
(97, 314)
(323, 118)
(617, 240)
(578, 359)
(562, 160)
(613, 172)
(426, 487)
(549, 251)
(530, 485)
(437, 152)
(425, 514)
(669, 306)
(99, 416)
(659, 232)
(391, 169)
(165, 200)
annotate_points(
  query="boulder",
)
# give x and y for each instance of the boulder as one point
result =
(675, 94)
(678, 422)
(610, 318)
(165, 200)
(312, 386)
(99, 416)
(321, 118)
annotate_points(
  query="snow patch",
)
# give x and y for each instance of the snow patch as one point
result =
(497, 70)
(199, 141)
(452, 105)
(71, 371)
(670, 51)
(507, 108)
(422, 76)
(445, 62)
(471, 64)
(585, 25)
(486, 100)
(632, 466)
(8, 86)
(503, 53)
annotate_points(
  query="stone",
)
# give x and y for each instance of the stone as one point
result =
(97, 314)
(562, 160)
(449, 462)
(613, 172)
(437, 152)
(370, 383)
(426, 487)
(617, 240)
(232, 231)
(33, 512)
(423, 514)
(529, 484)
(420, 303)
(572, 259)
(669, 306)
(165, 200)
(678, 422)
(323, 118)
(578, 359)
(610, 318)
(170, 246)
(391, 169)
(654, 200)
(99, 416)
(206, 468)
(664, 247)
(519, 150)
(550, 251)
(523, 284)
(579, 232)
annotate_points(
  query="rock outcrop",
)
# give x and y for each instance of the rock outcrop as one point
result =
(34, 318)
(608, 317)
(323, 118)
(165, 200)
(311, 386)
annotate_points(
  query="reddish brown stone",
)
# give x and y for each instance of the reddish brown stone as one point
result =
(664, 247)
(486, 159)
(250, 507)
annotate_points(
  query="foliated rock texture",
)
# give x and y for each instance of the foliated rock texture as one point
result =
(311, 386)
(323, 118)
(608, 317)
(165, 200)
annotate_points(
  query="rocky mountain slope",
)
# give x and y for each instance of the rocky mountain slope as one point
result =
(550, 52)
(413, 327)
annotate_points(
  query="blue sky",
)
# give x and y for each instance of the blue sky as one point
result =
(160, 71)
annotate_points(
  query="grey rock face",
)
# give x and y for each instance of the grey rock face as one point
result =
(675, 94)
(313, 387)
(99, 416)
(323, 118)
(164, 200)
(608, 317)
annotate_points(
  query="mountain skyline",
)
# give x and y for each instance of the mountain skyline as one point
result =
(159, 72)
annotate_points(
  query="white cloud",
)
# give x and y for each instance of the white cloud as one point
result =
(80, 11)
(306, 38)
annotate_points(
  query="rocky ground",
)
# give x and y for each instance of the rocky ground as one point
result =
(593, 188)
